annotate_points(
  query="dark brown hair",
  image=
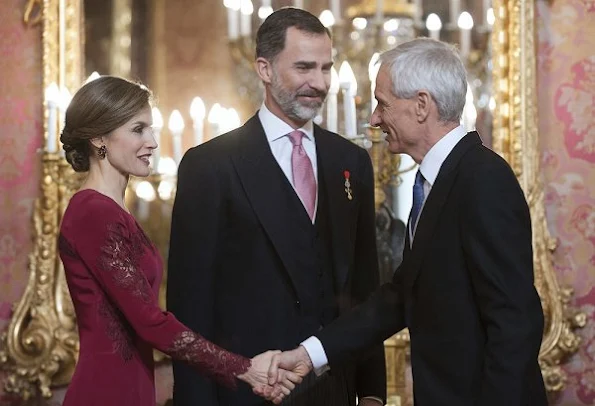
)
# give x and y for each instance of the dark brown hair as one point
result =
(97, 109)
(270, 38)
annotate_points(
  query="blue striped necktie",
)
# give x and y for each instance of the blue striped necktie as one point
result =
(418, 198)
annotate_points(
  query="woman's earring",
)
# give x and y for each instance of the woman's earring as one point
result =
(102, 152)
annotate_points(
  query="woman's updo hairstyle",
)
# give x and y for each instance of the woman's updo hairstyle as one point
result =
(97, 109)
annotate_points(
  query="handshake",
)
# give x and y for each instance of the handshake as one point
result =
(274, 374)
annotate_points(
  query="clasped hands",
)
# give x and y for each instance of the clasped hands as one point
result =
(274, 374)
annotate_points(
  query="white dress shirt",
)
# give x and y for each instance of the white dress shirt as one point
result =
(277, 131)
(429, 167)
(431, 164)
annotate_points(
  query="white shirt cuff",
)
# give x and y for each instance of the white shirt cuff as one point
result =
(317, 355)
(374, 398)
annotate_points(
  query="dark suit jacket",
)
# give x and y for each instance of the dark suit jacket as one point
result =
(234, 275)
(465, 290)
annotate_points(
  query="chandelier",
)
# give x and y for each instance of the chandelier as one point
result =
(360, 32)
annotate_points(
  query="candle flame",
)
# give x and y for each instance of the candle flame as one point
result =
(176, 122)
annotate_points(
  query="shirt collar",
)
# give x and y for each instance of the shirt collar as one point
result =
(275, 128)
(430, 165)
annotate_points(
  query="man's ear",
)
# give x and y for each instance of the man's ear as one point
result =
(264, 69)
(423, 105)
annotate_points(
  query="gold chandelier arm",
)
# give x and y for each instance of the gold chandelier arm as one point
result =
(33, 12)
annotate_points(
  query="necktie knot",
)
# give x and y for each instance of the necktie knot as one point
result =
(419, 180)
(296, 138)
(304, 180)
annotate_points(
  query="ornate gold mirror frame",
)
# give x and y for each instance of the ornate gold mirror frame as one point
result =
(39, 349)
(516, 139)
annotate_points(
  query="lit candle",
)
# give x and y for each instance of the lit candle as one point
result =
(336, 9)
(176, 126)
(52, 98)
(331, 102)
(486, 8)
(379, 11)
(233, 15)
(360, 23)
(146, 194)
(433, 24)
(349, 85)
(391, 25)
(197, 112)
(227, 119)
(64, 102)
(418, 12)
(465, 24)
(455, 9)
(167, 166)
(65, 98)
(246, 10)
(373, 68)
(214, 119)
(327, 18)
(490, 17)
(233, 119)
(157, 126)
(165, 190)
(469, 116)
(92, 77)
(264, 12)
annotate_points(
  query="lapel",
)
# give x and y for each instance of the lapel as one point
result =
(265, 187)
(433, 207)
(342, 218)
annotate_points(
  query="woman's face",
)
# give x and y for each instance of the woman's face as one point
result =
(130, 146)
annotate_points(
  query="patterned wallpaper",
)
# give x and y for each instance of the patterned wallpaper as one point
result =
(20, 137)
(566, 58)
(566, 66)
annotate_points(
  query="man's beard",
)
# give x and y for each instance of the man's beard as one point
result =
(291, 105)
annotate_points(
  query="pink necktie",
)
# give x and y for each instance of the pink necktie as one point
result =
(303, 173)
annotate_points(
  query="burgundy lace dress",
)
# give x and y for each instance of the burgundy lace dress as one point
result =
(113, 273)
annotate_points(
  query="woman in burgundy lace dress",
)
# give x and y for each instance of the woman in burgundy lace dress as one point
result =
(114, 271)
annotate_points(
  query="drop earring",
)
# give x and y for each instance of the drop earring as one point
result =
(102, 152)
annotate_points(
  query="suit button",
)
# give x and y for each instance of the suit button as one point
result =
(297, 303)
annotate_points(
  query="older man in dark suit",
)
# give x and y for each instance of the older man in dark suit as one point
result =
(465, 286)
(273, 230)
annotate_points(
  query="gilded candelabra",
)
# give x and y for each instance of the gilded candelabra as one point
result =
(40, 347)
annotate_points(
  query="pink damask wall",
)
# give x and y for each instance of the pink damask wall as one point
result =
(20, 137)
(566, 37)
(566, 77)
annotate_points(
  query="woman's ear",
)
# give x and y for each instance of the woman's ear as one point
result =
(97, 142)
(264, 69)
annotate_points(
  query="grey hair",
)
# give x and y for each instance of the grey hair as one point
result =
(427, 64)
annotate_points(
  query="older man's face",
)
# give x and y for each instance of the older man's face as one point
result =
(395, 116)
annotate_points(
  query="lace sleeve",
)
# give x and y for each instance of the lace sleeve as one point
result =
(203, 354)
(112, 251)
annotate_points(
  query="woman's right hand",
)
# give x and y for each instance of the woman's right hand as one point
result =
(257, 377)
